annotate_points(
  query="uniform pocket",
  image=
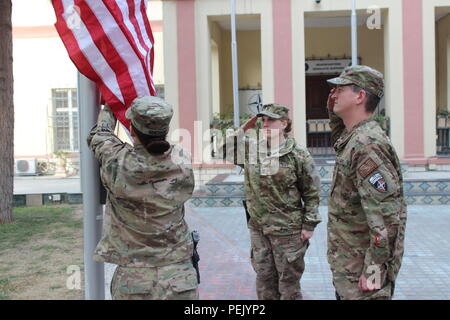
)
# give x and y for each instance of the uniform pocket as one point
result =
(298, 252)
(286, 175)
(182, 283)
(290, 247)
(342, 172)
(134, 281)
(183, 287)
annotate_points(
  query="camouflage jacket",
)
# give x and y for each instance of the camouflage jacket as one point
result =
(282, 185)
(367, 209)
(144, 222)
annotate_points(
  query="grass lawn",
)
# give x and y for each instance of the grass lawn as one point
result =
(36, 251)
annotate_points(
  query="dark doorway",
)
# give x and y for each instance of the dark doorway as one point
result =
(317, 90)
(318, 134)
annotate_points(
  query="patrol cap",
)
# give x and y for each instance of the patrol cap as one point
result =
(364, 77)
(275, 111)
(150, 115)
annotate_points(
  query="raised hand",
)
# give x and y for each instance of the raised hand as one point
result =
(250, 124)
(331, 100)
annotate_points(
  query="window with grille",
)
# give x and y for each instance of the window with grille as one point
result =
(65, 120)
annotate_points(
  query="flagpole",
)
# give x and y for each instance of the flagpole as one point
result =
(234, 62)
(234, 65)
(354, 35)
(94, 272)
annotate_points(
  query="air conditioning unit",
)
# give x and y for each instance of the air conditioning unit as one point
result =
(23, 167)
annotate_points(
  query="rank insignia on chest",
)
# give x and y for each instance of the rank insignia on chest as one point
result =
(378, 182)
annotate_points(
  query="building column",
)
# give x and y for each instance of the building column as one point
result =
(393, 75)
(448, 73)
(282, 44)
(298, 69)
(201, 138)
(170, 64)
(187, 80)
(429, 78)
(267, 53)
(413, 82)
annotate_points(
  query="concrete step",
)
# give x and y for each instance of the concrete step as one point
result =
(421, 188)
(413, 183)
(326, 168)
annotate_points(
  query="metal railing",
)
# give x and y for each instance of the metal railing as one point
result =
(319, 137)
(443, 135)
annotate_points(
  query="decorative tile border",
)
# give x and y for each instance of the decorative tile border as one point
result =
(237, 201)
(426, 186)
(417, 192)
(216, 201)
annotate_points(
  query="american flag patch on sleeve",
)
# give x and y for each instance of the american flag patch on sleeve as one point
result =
(367, 167)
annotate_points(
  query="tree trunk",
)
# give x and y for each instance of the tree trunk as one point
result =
(6, 114)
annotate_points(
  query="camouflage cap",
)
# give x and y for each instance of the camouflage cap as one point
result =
(275, 111)
(150, 115)
(365, 77)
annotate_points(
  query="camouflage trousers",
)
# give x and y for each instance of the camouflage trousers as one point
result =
(173, 282)
(279, 264)
(347, 289)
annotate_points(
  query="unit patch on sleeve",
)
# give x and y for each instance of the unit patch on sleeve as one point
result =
(367, 168)
(378, 182)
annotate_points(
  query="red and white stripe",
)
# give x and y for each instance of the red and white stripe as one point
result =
(111, 43)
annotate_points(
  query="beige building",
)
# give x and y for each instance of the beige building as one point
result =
(45, 83)
(286, 51)
(406, 40)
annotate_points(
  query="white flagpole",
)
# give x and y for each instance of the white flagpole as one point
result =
(354, 35)
(94, 273)
(234, 64)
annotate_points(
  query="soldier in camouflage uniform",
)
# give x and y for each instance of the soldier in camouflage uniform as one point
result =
(367, 209)
(282, 189)
(144, 231)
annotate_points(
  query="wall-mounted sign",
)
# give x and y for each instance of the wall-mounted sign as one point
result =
(326, 66)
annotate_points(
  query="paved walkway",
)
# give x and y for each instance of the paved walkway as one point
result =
(226, 272)
(224, 249)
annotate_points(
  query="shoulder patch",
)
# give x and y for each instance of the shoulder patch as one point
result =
(367, 167)
(378, 182)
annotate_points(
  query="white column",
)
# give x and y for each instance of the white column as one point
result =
(298, 74)
(268, 86)
(204, 80)
(354, 35)
(448, 73)
(429, 78)
(171, 61)
(393, 74)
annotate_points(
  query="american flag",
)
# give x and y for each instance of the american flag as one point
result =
(111, 43)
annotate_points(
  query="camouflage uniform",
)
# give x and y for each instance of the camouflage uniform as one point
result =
(282, 197)
(367, 209)
(144, 231)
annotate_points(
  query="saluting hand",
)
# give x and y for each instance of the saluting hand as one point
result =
(250, 124)
(331, 100)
